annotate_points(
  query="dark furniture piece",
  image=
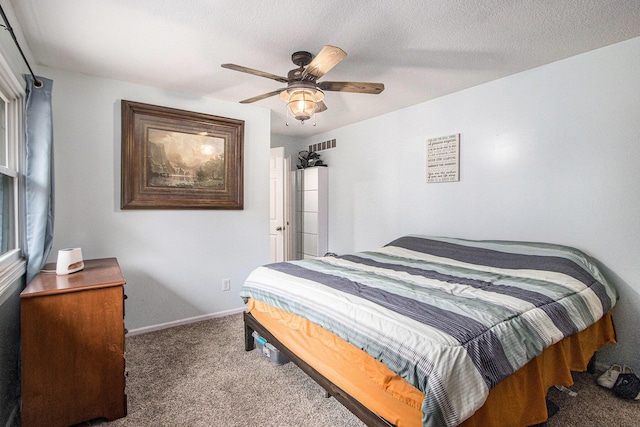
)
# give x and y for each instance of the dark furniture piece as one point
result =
(73, 365)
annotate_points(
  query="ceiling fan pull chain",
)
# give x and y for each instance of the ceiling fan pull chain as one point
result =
(287, 119)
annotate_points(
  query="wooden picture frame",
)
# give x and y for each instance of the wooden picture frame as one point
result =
(176, 159)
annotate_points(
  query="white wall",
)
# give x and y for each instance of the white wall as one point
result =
(551, 154)
(173, 260)
(292, 145)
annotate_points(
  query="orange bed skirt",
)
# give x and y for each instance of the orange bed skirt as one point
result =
(517, 401)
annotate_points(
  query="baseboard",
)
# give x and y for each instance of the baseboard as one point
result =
(158, 327)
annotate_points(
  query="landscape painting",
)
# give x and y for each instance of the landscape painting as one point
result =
(175, 159)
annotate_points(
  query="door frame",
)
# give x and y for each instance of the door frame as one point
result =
(278, 153)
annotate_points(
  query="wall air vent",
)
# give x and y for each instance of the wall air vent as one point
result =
(324, 145)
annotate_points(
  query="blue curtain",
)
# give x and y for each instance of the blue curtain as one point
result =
(39, 202)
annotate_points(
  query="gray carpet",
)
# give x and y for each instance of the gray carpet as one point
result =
(594, 406)
(200, 375)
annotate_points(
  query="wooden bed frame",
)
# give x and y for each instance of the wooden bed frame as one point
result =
(358, 409)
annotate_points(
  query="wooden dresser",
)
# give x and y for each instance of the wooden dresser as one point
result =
(73, 366)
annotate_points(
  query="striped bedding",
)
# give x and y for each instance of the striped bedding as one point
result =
(453, 317)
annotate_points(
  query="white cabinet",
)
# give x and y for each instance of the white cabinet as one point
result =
(312, 225)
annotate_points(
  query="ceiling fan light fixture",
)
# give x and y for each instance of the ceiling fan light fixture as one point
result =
(302, 103)
(303, 95)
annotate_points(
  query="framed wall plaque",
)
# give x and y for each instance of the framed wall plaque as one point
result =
(443, 158)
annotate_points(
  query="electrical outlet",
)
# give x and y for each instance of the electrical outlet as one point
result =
(226, 284)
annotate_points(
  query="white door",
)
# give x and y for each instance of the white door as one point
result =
(276, 196)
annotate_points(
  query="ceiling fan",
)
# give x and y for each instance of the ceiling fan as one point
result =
(304, 94)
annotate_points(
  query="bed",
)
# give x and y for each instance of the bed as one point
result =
(431, 331)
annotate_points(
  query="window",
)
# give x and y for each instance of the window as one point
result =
(11, 104)
(7, 230)
(7, 188)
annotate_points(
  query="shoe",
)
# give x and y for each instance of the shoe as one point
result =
(609, 378)
(627, 386)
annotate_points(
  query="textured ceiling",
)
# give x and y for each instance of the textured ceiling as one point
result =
(420, 49)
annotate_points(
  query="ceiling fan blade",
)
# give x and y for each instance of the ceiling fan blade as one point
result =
(328, 58)
(357, 87)
(259, 97)
(321, 106)
(254, 72)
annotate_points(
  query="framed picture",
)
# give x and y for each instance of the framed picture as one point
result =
(175, 159)
(443, 158)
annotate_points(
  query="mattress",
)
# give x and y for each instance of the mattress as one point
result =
(452, 317)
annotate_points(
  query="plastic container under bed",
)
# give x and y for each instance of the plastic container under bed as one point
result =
(268, 350)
